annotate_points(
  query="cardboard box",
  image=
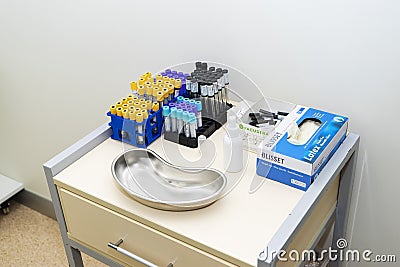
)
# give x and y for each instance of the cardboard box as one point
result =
(253, 136)
(296, 159)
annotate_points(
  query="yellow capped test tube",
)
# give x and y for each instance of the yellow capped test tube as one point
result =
(155, 90)
(130, 103)
(171, 91)
(113, 109)
(134, 87)
(172, 81)
(135, 98)
(136, 104)
(148, 74)
(137, 110)
(118, 104)
(143, 106)
(142, 80)
(178, 85)
(119, 111)
(165, 78)
(149, 93)
(140, 128)
(132, 115)
(141, 91)
(125, 114)
(160, 98)
(149, 104)
(139, 117)
(124, 100)
(129, 97)
(155, 106)
(131, 108)
(145, 113)
(148, 83)
(125, 106)
(160, 82)
(158, 77)
(142, 100)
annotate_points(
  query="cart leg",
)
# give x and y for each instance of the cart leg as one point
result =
(74, 256)
(5, 207)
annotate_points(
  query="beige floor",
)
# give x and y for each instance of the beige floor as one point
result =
(28, 238)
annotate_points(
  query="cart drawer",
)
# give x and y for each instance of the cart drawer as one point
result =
(95, 226)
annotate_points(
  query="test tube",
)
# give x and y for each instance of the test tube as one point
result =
(158, 77)
(124, 100)
(174, 125)
(204, 94)
(198, 114)
(185, 118)
(215, 88)
(134, 87)
(141, 91)
(160, 98)
(149, 93)
(155, 90)
(143, 106)
(178, 85)
(221, 84)
(195, 88)
(125, 106)
(192, 125)
(132, 115)
(142, 80)
(189, 87)
(179, 120)
(166, 112)
(125, 114)
(119, 111)
(118, 104)
(165, 95)
(179, 99)
(210, 98)
(113, 109)
(140, 128)
(170, 91)
(226, 83)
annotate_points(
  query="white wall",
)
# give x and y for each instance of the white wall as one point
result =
(63, 62)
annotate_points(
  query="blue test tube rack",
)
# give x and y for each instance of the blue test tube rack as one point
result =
(125, 130)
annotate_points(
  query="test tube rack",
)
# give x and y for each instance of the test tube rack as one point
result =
(209, 126)
(125, 130)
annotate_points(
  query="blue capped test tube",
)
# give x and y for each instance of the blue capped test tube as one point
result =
(198, 114)
(192, 125)
(174, 126)
(179, 120)
(185, 116)
(167, 119)
(179, 99)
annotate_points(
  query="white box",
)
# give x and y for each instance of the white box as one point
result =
(297, 164)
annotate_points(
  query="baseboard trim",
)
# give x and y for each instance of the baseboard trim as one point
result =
(36, 202)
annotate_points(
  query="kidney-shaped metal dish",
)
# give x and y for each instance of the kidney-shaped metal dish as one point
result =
(152, 181)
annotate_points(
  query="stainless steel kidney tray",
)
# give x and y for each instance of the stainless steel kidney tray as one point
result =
(152, 181)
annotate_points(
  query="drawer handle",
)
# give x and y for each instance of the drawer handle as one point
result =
(131, 255)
